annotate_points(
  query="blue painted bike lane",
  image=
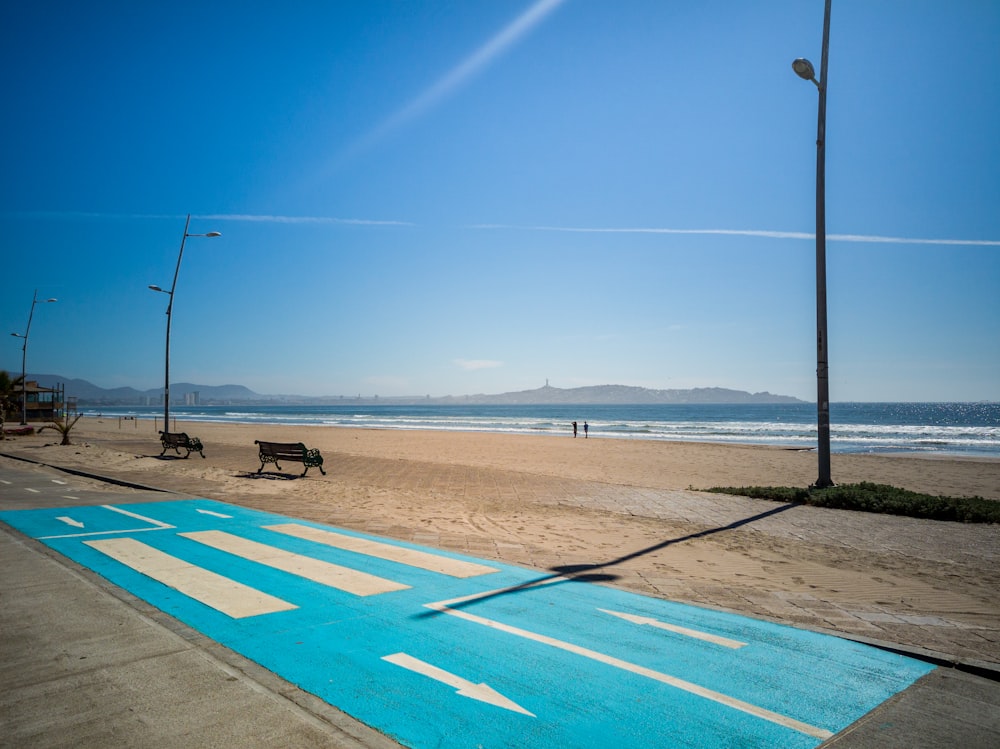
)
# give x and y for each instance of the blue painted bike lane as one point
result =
(438, 649)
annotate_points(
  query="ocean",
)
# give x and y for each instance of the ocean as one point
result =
(970, 429)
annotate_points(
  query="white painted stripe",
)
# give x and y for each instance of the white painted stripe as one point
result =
(695, 633)
(333, 575)
(158, 523)
(221, 593)
(687, 686)
(411, 557)
(33, 491)
(4, 481)
(118, 531)
(57, 481)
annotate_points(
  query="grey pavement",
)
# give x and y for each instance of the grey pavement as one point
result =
(85, 664)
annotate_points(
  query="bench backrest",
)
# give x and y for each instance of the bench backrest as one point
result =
(179, 437)
(282, 449)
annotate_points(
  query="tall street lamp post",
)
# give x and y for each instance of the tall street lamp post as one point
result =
(804, 69)
(170, 309)
(24, 356)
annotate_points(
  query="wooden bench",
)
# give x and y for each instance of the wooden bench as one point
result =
(178, 440)
(272, 452)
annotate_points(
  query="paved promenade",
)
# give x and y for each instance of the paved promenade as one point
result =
(828, 570)
(85, 664)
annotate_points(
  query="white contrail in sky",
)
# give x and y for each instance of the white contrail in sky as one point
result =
(461, 73)
(331, 220)
(247, 217)
(299, 219)
(750, 233)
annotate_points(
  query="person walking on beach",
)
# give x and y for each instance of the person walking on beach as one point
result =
(574, 429)
(586, 428)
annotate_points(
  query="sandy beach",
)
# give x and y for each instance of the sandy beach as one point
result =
(628, 509)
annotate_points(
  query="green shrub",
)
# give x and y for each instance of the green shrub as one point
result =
(881, 498)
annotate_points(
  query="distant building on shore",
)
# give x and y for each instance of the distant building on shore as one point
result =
(43, 404)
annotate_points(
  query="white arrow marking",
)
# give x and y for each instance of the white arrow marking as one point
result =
(70, 521)
(214, 514)
(465, 688)
(782, 720)
(651, 622)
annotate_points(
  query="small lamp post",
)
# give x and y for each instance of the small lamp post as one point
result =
(170, 308)
(804, 69)
(24, 356)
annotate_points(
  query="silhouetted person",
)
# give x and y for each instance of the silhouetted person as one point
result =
(574, 429)
(586, 428)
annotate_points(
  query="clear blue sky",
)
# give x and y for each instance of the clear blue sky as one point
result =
(471, 197)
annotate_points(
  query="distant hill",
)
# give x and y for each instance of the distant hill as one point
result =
(622, 394)
(88, 394)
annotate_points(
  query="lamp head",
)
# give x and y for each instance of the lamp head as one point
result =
(804, 69)
(214, 234)
(157, 288)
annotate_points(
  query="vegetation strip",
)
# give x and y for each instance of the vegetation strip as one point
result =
(880, 498)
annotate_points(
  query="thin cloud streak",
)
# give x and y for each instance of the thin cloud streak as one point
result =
(750, 233)
(474, 364)
(461, 73)
(300, 219)
(246, 217)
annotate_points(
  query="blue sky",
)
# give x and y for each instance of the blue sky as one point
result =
(473, 197)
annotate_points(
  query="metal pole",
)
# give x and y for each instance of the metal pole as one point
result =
(822, 354)
(170, 309)
(24, 360)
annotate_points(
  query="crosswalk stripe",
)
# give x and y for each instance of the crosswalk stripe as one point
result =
(412, 557)
(221, 593)
(326, 573)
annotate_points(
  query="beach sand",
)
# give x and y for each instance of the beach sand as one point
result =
(626, 509)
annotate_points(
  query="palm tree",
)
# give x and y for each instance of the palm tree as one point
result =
(63, 426)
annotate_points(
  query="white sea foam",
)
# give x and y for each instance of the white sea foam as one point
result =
(972, 429)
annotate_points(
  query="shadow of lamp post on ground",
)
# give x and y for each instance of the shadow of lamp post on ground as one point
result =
(170, 309)
(804, 69)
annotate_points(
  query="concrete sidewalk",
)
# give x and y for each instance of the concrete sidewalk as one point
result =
(85, 664)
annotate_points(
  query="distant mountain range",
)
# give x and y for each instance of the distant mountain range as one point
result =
(612, 394)
(88, 394)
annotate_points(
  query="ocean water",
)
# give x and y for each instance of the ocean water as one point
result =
(971, 429)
